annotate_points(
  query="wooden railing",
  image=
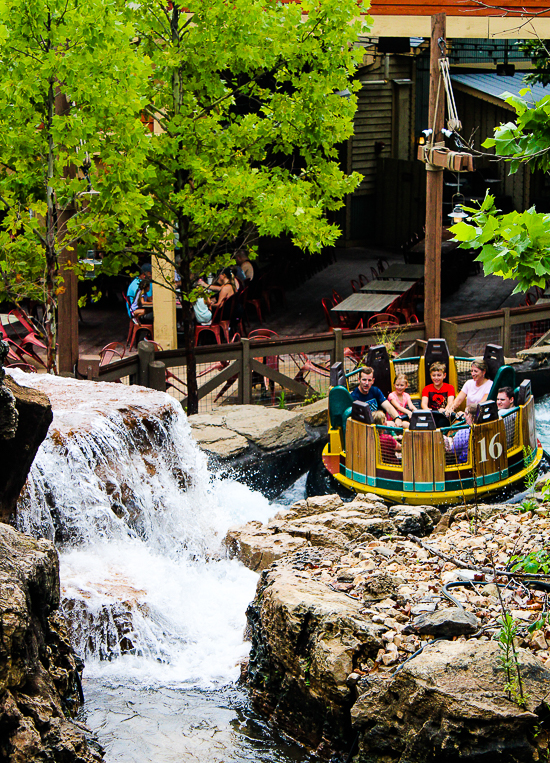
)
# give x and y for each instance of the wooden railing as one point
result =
(239, 361)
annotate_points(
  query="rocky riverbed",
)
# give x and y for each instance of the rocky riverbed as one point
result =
(354, 638)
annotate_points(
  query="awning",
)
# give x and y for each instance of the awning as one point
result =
(492, 87)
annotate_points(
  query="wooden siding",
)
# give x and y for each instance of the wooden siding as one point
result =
(384, 114)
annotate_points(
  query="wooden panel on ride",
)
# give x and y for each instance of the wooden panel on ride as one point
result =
(490, 459)
(350, 439)
(423, 461)
(439, 460)
(528, 433)
(371, 455)
(407, 460)
(359, 448)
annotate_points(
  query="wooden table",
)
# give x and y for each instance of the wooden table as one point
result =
(403, 272)
(365, 303)
(381, 287)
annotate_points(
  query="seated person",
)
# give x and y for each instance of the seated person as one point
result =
(140, 296)
(226, 287)
(244, 264)
(458, 445)
(390, 446)
(438, 396)
(475, 390)
(203, 314)
(366, 392)
(401, 400)
(505, 401)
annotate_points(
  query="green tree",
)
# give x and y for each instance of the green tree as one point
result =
(514, 245)
(71, 141)
(247, 101)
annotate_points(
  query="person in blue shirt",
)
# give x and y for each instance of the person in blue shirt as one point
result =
(458, 445)
(140, 296)
(366, 392)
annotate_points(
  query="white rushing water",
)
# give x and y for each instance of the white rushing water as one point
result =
(156, 608)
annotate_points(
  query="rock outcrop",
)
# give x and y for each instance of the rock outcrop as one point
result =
(448, 705)
(39, 675)
(343, 630)
(17, 452)
(267, 448)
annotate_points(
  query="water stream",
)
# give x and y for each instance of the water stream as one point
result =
(157, 610)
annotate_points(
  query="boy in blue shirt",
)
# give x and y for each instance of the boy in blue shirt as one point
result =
(141, 287)
(366, 392)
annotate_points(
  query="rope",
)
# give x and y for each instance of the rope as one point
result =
(453, 121)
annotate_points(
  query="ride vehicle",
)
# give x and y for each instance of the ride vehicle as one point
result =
(499, 452)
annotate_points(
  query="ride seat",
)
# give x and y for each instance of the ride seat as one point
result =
(505, 377)
(340, 404)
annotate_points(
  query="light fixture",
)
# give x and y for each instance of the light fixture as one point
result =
(458, 213)
(421, 141)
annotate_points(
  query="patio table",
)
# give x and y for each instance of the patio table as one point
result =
(411, 272)
(365, 303)
(391, 286)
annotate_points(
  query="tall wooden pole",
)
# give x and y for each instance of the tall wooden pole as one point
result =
(434, 188)
(67, 306)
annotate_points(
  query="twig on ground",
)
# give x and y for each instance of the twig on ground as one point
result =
(483, 570)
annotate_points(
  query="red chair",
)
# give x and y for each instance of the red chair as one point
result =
(135, 326)
(355, 285)
(383, 319)
(382, 264)
(271, 361)
(363, 280)
(27, 340)
(16, 353)
(214, 328)
(110, 351)
(336, 298)
(374, 274)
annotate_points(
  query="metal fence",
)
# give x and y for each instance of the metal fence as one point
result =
(289, 371)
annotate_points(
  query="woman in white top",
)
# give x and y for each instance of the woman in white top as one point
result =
(475, 390)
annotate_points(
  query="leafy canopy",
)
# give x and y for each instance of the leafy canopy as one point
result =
(247, 103)
(71, 89)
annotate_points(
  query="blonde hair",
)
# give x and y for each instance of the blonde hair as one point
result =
(379, 417)
(400, 377)
(438, 367)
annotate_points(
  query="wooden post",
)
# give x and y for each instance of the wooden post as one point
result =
(450, 333)
(434, 188)
(157, 375)
(146, 355)
(338, 346)
(246, 373)
(506, 333)
(67, 303)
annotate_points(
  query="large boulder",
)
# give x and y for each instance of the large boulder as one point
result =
(39, 678)
(450, 704)
(306, 640)
(17, 452)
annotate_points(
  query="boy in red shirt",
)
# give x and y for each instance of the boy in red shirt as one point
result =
(438, 395)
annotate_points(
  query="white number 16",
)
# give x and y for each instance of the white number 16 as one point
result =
(495, 449)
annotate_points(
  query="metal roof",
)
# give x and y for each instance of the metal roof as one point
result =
(494, 85)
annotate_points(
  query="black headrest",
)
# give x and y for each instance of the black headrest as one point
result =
(436, 352)
(494, 357)
(524, 392)
(378, 359)
(422, 420)
(337, 375)
(487, 411)
(361, 411)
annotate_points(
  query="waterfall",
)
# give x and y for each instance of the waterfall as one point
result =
(125, 493)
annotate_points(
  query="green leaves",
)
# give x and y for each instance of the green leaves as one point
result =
(515, 245)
